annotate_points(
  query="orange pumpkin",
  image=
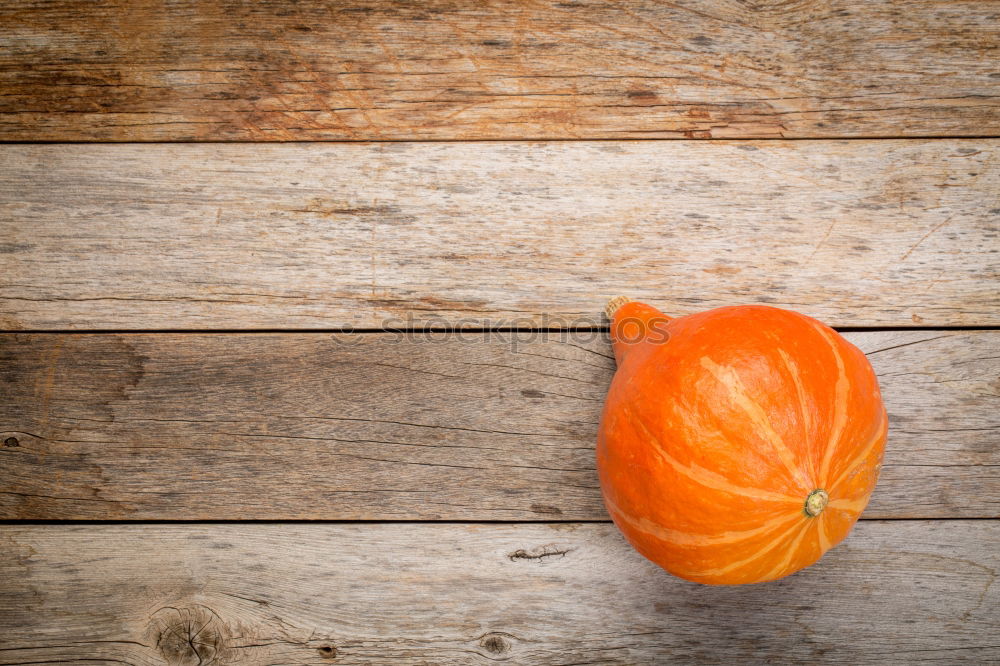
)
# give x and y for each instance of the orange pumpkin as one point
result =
(736, 445)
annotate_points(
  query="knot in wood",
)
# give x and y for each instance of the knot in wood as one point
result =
(191, 636)
(495, 643)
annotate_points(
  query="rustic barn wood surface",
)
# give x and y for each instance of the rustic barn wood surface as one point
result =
(321, 426)
(385, 69)
(568, 593)
(216, 447)
(880, 233)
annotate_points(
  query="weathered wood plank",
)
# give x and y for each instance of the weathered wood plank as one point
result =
(130, 237)
(317, 426)
(377, 69)
(894, 592)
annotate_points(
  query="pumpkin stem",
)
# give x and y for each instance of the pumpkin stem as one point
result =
(634, 325)
(612, 307)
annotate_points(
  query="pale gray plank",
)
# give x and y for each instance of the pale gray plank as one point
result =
(881, 233)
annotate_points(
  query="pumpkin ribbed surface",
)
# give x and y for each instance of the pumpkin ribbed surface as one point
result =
(737, 445)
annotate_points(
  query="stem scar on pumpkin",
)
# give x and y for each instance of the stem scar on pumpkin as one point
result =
(816, 502)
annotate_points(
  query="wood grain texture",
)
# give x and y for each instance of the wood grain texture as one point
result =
(126, 237)
(319, 426)
(893, 592)
(280, 70)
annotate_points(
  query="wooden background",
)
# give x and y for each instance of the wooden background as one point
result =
(217, 448)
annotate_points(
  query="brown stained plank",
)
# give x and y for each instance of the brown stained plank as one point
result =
(377, 69)
(893, 592)
(316, 426)
(126, 237)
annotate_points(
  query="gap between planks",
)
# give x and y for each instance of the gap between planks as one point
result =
(418, 331)
(7, 522)
(530, 139)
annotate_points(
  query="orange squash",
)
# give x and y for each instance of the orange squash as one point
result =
(736, 445)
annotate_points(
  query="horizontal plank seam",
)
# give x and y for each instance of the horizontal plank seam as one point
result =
(305, 521)
(526, 139)
(401, 331)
